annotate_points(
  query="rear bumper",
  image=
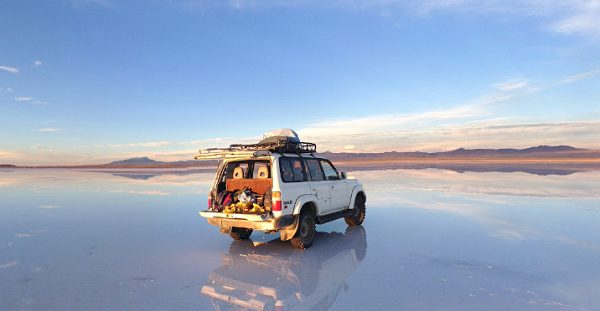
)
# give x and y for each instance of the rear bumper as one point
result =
(249, 221)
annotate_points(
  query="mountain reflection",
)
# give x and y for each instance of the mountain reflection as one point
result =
(272, 276)
(540, 168)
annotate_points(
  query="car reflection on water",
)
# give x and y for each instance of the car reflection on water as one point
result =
(273, 276)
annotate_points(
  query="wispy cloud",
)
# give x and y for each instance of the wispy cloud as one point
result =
(20, 99)
(148, 144)
(49, 129)
(560, 16)
(10, 264)
(37, 63)
(424, 121)
(48, 206)
(511, 86)
(566, 16)
(452, 137)
(147, 192)
(581, 76)
(583, 18)
(9, 69)
(8, 89)
(38, 102)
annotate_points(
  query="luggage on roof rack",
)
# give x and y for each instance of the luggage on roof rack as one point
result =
(282, 145)
(237, 150)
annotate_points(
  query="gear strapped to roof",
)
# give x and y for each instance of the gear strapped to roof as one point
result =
(237, 150)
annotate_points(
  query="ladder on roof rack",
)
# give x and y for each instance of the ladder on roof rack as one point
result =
(237, 150)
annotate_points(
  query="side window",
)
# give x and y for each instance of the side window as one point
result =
(298, 169)
(292, 169)
(329, 170)
(314, 169)
(286, 170)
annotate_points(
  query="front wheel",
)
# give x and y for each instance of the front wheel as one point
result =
(305, 235)
(359, 212)
(240, 233)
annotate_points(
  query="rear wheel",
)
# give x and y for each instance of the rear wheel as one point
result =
(359, 212)
(305, 234)
(240, 233)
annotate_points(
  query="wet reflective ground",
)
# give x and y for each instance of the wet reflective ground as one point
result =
(432, 240)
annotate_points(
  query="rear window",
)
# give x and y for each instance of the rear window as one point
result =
(249, 169)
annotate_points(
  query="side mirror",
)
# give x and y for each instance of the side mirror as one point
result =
(344, 175)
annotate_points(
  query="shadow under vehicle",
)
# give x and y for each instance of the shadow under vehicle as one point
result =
(271, 276)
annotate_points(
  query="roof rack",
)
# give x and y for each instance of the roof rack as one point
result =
(237, 150)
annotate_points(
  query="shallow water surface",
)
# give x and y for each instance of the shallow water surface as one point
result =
(432, 240)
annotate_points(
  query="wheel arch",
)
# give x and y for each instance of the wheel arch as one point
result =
(309, 201)
(357, 191)
(289, 232)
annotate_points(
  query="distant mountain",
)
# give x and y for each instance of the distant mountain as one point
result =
(477, 153)
(7, 165)
(135, 161)
(145, 162)
(532, 152)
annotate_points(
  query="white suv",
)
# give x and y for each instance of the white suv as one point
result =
(279, 186)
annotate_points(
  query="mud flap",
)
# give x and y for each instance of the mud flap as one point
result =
(288, 232)
(226, 230)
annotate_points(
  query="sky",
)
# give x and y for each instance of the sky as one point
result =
(94, 81)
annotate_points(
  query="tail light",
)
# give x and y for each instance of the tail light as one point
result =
(276, 201)
(209, 200)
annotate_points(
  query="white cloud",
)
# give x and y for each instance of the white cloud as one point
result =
(37, 63)
(9, 69)
(218, 140)
(561, 16)
(9, 154)
(566, 16)
(511, 86)
(583, 18)
(37, 102)
(581, 76)
(146, 192)
(148, 144)
(47, 206)
(48, 129)
(20, 99)
(10, 264)
(582, 134)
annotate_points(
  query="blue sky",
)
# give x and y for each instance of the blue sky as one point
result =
(92, 81)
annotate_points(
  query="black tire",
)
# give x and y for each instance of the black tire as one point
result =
(240, 233)
(305, 235)
(358, 216)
